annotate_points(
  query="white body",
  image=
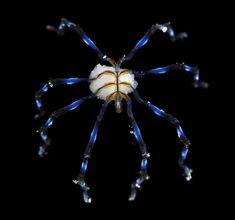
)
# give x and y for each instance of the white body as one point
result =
(108, 83)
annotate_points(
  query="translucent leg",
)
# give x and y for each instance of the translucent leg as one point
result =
(75, 27)
(181, 135)
(165, 28)
(80, 180)
(145, 154)
(162, 70)
(51, 83)
(50, 121)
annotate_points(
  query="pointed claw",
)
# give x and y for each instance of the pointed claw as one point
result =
(51, 28)
(133, 192)
(42, 151)
(188, 173)
(85, 188)
(86, 197)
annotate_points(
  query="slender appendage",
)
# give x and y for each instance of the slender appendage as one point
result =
(52, 83)
(181, 135)
(80, 180)
(145, 154)
(42, 130)
(165, 28)
(75, 27)
(161, 70)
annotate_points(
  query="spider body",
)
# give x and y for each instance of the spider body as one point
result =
(111, 83)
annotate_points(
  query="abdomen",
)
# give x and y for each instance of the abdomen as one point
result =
(106, 84)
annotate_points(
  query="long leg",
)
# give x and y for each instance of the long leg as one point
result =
(165, 28)
(144, 153)
(80, 180)
(50, 121)
(51, 83)
(161, 70)
(181, 135)
(75, 27)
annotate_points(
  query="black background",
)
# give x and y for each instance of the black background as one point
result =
(115, 28)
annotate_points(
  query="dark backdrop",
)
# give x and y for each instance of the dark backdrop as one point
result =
(115, 161)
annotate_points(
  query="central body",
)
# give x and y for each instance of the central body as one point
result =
(111, 83)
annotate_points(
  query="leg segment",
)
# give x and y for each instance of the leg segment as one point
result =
(50, 121)
(52, 83)
(161, 70)
(80, 180)
(145, 154)
(165, 28)
(75, 27)
(181, 135)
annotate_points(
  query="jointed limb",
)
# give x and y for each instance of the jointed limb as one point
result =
(145, 154)
(51, 83)
(165, 28)
(181, 135)
(75, 27)
(51, 119)
(161, 70)
(80, 180)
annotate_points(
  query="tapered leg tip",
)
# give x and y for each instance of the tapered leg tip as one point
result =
(51, 28)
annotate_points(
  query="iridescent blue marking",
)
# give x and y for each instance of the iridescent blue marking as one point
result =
(180, 132)
(87, 40)
(188, 68)
(44, 88)
(161, 26)
(139, 181)
(39, 103)
(144, 163)
(48, 123)
(170, 32)
(73, 105)
(186, 169)
(184, 153)
(83, 167)
(142, 42)
(69, 24)
(44, 136)
(137, 133)
(159, 70)
(156, 110)
(71, 81)
(93, 135)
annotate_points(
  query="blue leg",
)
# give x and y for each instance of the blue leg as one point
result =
(161, 70)
(80, 180)
(181, 135)
(51, 83)
(145, 154)
(165, 28)
(50, 121)
(75, 27)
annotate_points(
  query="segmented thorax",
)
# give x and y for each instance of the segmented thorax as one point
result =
(109, 84)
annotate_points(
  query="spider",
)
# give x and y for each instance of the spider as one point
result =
(112, 83)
